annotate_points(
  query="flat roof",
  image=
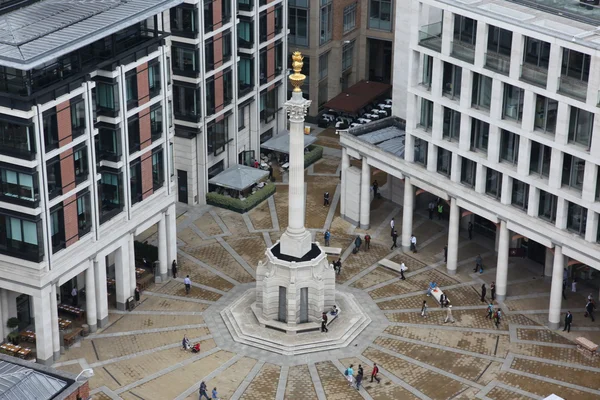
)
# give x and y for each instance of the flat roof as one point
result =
(40, 32)
(388, 134)
(281, 143)
(238, 177)
(357, 96)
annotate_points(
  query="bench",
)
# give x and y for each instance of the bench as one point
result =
(437, 294)
(586, 346)
(69, 338)
(334, 251)
(390, 264)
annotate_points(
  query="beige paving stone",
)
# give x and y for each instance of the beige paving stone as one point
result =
(541, 335)
(570, 355)
(153, 303)
(498, 393)
(571, 375)
(467, 296)
(217, 257)
(463, 318)
(264, 385)
(188, 236)
(542, 388)
(411, 263)
(316, 213)
(328, 138)
(141, 322)
(229, 380)
(281, 201)
(72, 368)
(103, 378)
(175, 288)
(334, 383)
(472, 249)
(434, 251)
(174, 383)
(327, 165)
(355, 263)
(531, 287)
(251, 249)
(378, 275)
(299, 383)
(261, 216)
(233, 221)
(414, 283)
(101, 396)
(202, 275)
(207, 224)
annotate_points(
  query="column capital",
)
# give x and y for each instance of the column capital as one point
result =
(297, 108)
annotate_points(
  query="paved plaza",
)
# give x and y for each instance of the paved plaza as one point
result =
(139, 356)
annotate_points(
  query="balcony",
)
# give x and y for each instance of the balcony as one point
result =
(572, 87)
(430, 36)
(463, 51)
(497, 62)
(533, 74)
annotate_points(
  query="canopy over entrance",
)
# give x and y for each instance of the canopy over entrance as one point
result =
(239, 177)
(357, 96)
(281, 143)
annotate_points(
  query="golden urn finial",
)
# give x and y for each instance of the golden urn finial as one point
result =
(297, 78)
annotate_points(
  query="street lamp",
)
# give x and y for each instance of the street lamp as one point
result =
(87, 373)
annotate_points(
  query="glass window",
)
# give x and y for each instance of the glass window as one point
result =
(185, 61)
(298, 26)
(156, 122)
(465, 29)
(77, 117)
(217, 136)
(20, 238)
(57, 229)
(107, 98)
(135, 182)
(444, 161)
(575, 65)
(18, 185)
(158, 173)
(54, 183)
(493, 183)
(50, 130)
(278, 19)
(110, 195)
(131, 89)
(513, 102)
(326, 21)
(17, 140)
(154, 78)
(499, 40)
(80, 159)
(427, 71)
(545, 114)
(537, 52)
(133, 133)
(576, 218)
(547, 207)
(349, 17)
(573, 171)
(452, 78)
(540, 159)
(468, 172)
(380, 14)
(421, 147)
(245, 31)
(208, 16)
(451, 129)
(581, 125)
(426, 120)
(183, 20)
(480, 132)
(245, 75)
(520, 195)
(241, 118)
(509, 147)
(323, 65)
(186, 103)
(108, 146)
(482, 91)
(84, 216)
(347, 56)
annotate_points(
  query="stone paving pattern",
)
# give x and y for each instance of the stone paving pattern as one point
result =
(139, 356)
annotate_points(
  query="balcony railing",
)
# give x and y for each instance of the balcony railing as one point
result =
(497, 62)
(463, 51)
(533, 74)
(430, 36)
(573, 87)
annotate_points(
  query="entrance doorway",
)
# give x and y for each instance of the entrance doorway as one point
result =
(534, 250)
(484, 227)
(303, 305)
(182, 187)
(282, 304)
(23, 311)
(246, 158)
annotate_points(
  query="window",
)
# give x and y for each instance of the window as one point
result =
(323, 65)
(217, 136)
(245, 75)
(540, 159)
(185, 61)
(575, 65)
(268, 105)
(57, 229)
(513, 102)
(581, 125)
(499, 40)
(54, 183)
(50, 130)
(537, 52)
(208, 16)
(545, 114)
(421, 147)
(427, 71)
(349, 17)
(107, 99)
(20, 238)
(520, 195)
(597, 183)
(509, 147)
(493, 183)
(108, 146)
(186, 103)
(576, 218)
(183, 20)
(241, 118)
(482, 91)
(298, 26)
(15, 186)
(156, 122)
(278, 19)
(135, 182)
(131, 89)
(133, 133)
(465, 29)
(84, 216)
(158, 170)
(468, 172)
(326, 21)
(77, 117)
(480, 132)
(347, 56)
(17, 140)
(380, 14)
(547, 207)
(444, 161)
(573, 171)
(80, 158)
(154, 78)
(323, 92)
(426, 119)
(245, 31)
(451, 80)
(110, 195)
(451, 129)
(262, 66)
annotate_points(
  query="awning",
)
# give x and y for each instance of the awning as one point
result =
(238, 177)
(281, 143)
(358, 96)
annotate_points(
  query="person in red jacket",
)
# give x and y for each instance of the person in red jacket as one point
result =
(374, 373)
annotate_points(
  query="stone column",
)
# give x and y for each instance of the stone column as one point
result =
(345, 166)
(502, 269)
(54, 317)
(162, 248)
(131, 261)
(365, 195)
(101, 295)
(43, 329)
(453, 231)
(171, 235)
(407, 213)
(548, 264)
(5, 313)
(556, 288)
(90, 297)
(123, 286)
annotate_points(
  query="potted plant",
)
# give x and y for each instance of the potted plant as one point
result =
(13, 337)
(13, 323)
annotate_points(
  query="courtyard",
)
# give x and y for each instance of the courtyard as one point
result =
(139, 356)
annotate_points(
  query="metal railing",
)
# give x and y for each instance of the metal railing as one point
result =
(497, 62)
(430, 36)
(533, 74)
(463, 51)
(573, 87)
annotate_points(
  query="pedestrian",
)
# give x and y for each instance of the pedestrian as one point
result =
(374, 373)
(349, 373)
(493, 290)
(74, 296)
(215, 396)
(574, 285)
(589, 308)
(256, 163)
(424, 309)
(442, 300)
(413, 243)
(392, 223)
(337, 266)
(470, 230)
(202, 391)
(357, 243)
(326, 199)
(440, 209)
(446, 253)
(590, 297)
(375, 188)
(359, 376)
(136, 294)
(449, 317)
(185, 343)
(324, 323)
(478, 263)
(483, 293)
(327, 237)
(174, 269)
(568, 321)
(431, 209)
(145, 262)
(270, 173)
(490, 311)
(188, 284)
(402, 269)
(367, 241)
(564, 289)
(497, 317)
(394, 239)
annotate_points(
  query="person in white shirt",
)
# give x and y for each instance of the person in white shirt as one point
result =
(413, 243)
(402, 269)
(392, 227)
(74, 297)
(188, 284)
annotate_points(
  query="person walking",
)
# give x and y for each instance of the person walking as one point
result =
(270, 173)
(349, 373)
(327, 237)
(326, 199)
(490, 311)
(374, 373)
(174, 269)
(359, 376)
(443, 299)
(431, 209)
(337, 266)
(202, 391)
(493, 290)
(185, 343)
(574, 285)
(424, 309)
(497, 317)
(483, 291)
(394, 239)
(392, 223)
(449, 317)
(446, 253)
(589, 308)
(215, 395)
(568, 321)
(357, 243)
(136, 294)
(470, 230)
(440, 210)
(367, 241)
(402, 269)
(324, 323)
(188, 284)
(478, 263)
(413, 243)
(74, 296)
(375, 188)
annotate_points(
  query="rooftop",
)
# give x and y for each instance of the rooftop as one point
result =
(42, 31)
(387, 134)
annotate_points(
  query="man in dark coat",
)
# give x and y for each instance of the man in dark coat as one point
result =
(568, 321)
(483, 290)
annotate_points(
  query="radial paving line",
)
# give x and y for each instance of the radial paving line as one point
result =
(208, 267)
(273, 212)
(283, 375)
(361, 274)
(342, 369)
(237, 257)
(386, 222)
(332, 207)
(405, 295)
(142, 331)
(105, 390)
(433, 309)
(316, 381)
(558, 363)
(449, 328)
(198, 231)
(247, 380)
(267, 239)
(248, 223)
(406, 275)
(183, 298)
(201, 286)
(134, 312)
(219, 222)
(554, 381)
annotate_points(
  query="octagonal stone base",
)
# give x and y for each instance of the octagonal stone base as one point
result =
(245, 327)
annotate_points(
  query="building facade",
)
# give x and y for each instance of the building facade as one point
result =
(85, 158)
(502, 123)
(343, 42)
(228, 86)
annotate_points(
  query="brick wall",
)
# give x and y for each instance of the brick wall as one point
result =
(217, 11)
(67, 170)
(143, 87)
(270, 62)
(218, 49)
(338, 17)
(63, 122)
(82, 393)
(71, 223)
(270, 23)
(145, 129)
(219, 98)
(146, 168)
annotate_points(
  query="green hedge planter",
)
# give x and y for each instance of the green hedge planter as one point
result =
(315, 154)
(237, 205)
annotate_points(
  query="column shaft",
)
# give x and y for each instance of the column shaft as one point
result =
(365, 195)
(54, 316)
(101, 295)
(556, 288)
(162, 247)
(345, 166)
(131, 266)
(296, 211)
(171, 235)
(549, 262)
(407, 213)
(123, 286)
(43, 329)
(5, 311)
(502, 269)
(453, 231)
(90, 297)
